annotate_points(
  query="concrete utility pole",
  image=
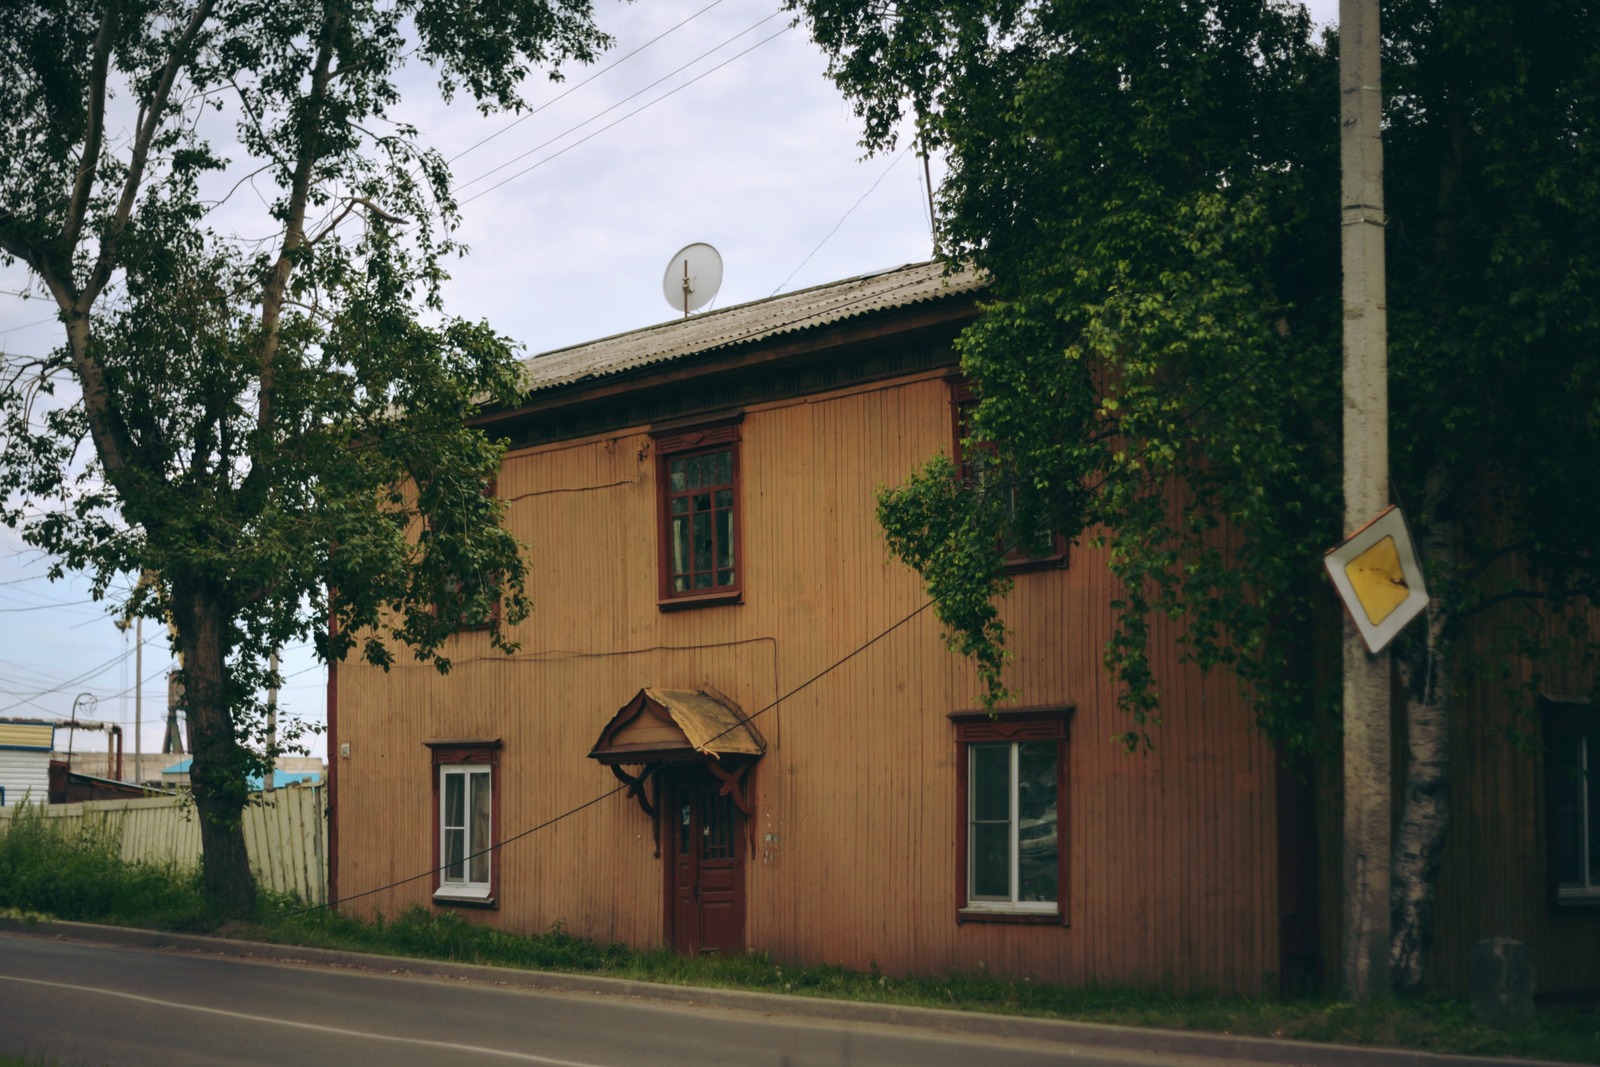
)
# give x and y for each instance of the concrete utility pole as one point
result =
(138, 700)
(272, 726)
(1366, 492)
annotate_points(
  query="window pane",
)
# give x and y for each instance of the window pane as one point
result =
(695, 465)
(454, 840)
(680, 505)
(990, 784)
(454, 800)
(724, 525)
(1591, 764)
(702, 542)
(723, 462)
(724, 498)
(680, 546)
(1566, 756)
(724, 577)
(479, 837)
(1036, 820)
(677, 477)
(991, 861)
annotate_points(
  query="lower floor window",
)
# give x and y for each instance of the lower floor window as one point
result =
(1013, 791)
(1012, 846)
(1572, 757)
(465, 819)
(464, 828)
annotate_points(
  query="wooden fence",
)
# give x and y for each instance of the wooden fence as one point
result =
(285, 832)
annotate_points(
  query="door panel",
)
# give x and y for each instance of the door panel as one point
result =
(706, 867)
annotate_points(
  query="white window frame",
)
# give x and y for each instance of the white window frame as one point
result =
(466, 888)
(1012, 906)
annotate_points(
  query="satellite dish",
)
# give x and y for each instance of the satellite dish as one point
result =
(692, 277)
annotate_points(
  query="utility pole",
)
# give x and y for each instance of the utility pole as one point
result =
(1366, 492)
(138, 700)
(272, 724)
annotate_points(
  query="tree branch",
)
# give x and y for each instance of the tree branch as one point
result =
(154, 110)
(89, 166)
(277, 283)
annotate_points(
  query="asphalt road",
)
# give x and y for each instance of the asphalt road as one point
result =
(87, 1005)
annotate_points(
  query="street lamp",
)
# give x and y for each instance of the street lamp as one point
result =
(90, 701)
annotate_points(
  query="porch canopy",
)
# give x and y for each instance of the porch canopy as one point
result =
(665, 726)
(669, 724)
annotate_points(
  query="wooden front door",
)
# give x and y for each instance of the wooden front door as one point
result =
(705, 865)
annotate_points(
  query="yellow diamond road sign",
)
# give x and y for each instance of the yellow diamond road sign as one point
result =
(1378, 578)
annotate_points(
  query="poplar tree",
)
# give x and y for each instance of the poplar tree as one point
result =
(266, 417)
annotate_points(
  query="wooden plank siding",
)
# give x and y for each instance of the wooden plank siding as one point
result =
(1171, 852)
(1495, 879)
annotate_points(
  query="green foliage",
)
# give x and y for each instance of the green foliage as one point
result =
(1153, 194)
(273, 431)
(79, 875)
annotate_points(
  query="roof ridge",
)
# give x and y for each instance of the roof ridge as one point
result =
(753, 320)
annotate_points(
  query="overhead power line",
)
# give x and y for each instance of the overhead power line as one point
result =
(624, 118)
(613, 65)
(633, 95)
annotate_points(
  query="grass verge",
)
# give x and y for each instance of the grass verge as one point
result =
(79, 876)
(1435, 1024)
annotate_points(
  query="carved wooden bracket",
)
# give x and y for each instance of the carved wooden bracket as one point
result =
(734, 783)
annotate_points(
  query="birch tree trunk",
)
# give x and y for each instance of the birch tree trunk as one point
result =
(1425, 808)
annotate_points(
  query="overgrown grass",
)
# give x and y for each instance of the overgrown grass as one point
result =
(79, 877)
(1438, 1024)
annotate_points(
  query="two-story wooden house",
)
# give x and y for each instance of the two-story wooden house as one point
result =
(733, 724)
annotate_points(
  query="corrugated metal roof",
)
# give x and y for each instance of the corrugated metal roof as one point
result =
(790, 313)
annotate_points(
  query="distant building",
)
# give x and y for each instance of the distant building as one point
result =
(25, 746)
(291, 771)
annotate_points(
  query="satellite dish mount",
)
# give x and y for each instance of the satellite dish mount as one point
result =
(692, 278)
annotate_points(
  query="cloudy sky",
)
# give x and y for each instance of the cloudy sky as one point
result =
(709, 120)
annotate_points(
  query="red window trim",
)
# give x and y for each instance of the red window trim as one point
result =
(1565, 719)
(1016, 560)
(1050, 723)
(673, 441)
(457, 752)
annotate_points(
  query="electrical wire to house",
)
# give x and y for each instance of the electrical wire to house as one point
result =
(862, 199)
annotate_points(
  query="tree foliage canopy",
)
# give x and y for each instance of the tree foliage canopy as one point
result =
(1153, 192)
(267, 411)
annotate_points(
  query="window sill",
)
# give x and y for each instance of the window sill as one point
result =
(1577, 903)
(464, 898)
(702, 600)
(1025, 565)
(1006, 915)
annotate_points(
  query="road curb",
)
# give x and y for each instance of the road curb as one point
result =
(1071, 1036)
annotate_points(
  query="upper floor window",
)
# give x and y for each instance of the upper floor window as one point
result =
(698, 478)
(471, 600)
(980, 467)
(472, 603)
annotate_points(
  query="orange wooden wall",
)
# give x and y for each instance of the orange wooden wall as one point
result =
(1172, 868)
